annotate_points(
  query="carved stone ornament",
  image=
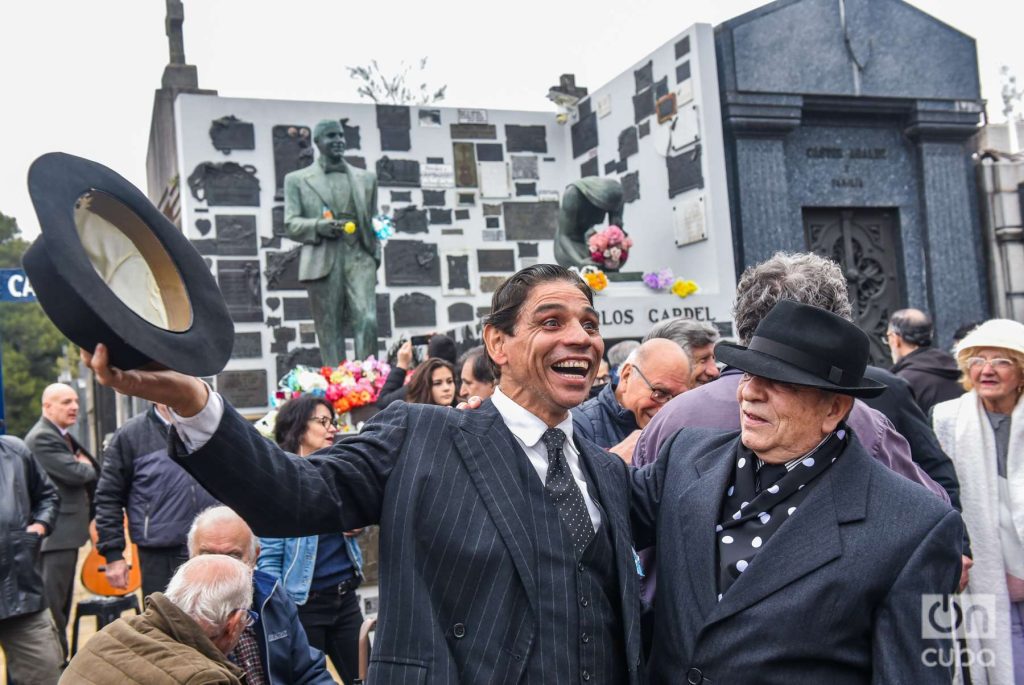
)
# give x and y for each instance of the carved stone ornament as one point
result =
(225, 184)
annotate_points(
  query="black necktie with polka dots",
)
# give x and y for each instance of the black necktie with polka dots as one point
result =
(565, 493)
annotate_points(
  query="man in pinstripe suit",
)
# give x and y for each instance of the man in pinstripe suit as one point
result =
(505, 543)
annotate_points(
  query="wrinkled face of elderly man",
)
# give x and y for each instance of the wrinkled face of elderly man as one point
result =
(781, 421)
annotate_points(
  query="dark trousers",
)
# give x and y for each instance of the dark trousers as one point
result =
(158, 564)
(58, 586)
(332, 625)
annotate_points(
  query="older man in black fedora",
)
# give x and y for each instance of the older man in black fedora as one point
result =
(787, 554)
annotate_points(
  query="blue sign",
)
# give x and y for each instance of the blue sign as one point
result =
(14, 286)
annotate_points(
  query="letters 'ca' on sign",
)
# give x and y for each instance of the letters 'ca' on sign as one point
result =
(14, 286)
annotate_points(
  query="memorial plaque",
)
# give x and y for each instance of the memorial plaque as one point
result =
(246, 388)
(490, 261)
(236, 235)
(307, 334)
(430, 118)
(230, 133)
(247, 345)
(661, 88)
(492, 235)
(467, 198)
(458, 272)
(411, 262)
(488, 284)
(492, 222)
(459, 312)
(304, 356)
(643, 105)
(433, 198)
(273, 242)
(411, 220)
(481, 312)
(415, 310)
(465, 164)
(438, 176)
(398, 173)
(644, 76)
(474, 131)
(384, 314)
(396, 139)
(584, 135)
(277, 221)
(528, 249)
(203, 226)
(526, 138)
(493, 178)
(526, 189)
(683, 71)
(451, 231)
(297, 309)
(205, 246)
(282, 336)
(666, 107)
(440, 216)
(628, 143)
(492, 210)
(225, 184)
(622, 166)
(589, 168)
(273, 321)
(401, 196)
(293, 149)
(489, 152)
(462, 215)
(239, 281)
(684, 172)
(273, 302)
(531, 220)
(435, 160)
(353, 141)
(283, 270)
(471, 116)
(393, 116)
(524, 167)
(356, 161)
(584, 108)
(610, 167)
(630, 187)
(682, 47)
(644, 129)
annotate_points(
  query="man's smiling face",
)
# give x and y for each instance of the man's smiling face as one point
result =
(551, 359)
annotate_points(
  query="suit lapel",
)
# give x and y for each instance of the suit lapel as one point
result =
(809, 539)
(358, 199)
(489, 453)
(317, 181)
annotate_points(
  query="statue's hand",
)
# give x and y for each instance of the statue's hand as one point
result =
(328, 228)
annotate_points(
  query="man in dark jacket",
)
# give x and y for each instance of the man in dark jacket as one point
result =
(139, 479)
(932, 373)
(28, 510)
(274, 650)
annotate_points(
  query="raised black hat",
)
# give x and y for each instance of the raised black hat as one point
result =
(804, 345)
(110, 267)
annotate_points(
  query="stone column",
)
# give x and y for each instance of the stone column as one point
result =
(764, 217)
(1002, 182)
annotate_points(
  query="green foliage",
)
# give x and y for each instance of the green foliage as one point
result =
(32, 346)
(394, 90)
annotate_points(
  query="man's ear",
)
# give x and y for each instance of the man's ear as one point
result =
(839, 408)
(494, 341)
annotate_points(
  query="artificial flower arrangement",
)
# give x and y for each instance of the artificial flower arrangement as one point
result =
(383, 226)
(664, 279)
(595, 278)
(609, 248)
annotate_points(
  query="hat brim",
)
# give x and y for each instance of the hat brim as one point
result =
(766, 366)
(85, 308)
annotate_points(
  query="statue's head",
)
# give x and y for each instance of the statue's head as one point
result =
(329, 136)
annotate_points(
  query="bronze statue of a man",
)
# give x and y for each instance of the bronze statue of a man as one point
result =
(585, 204)
(329, 208)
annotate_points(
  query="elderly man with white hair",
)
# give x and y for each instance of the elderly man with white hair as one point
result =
(183, 636)
(274, 649)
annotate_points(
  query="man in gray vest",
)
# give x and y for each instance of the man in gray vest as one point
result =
(329, 208)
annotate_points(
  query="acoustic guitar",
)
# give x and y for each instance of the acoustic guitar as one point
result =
(93, 577)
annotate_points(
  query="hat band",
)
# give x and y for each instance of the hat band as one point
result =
(797, 358)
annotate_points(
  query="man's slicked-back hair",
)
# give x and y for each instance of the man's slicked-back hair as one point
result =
(803, 277)
(325, 124)
(508, 299)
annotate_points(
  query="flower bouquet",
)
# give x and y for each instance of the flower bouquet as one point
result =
(609, 248)
(349, 386)
(595, 278)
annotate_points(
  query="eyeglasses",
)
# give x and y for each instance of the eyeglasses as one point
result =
(657, 395)
(249, 618)
(326, 422)
(999, 363)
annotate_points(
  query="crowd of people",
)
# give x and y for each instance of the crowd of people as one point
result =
(682, 508)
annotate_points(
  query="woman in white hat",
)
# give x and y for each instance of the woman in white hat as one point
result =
(983, 433)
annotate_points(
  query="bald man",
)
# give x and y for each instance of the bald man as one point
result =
(273, 650)
(653, 374)
(73, 471)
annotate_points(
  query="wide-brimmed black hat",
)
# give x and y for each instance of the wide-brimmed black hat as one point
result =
(110, 267)
(804, 345)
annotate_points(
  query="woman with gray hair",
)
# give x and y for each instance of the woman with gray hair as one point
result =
(983, 434)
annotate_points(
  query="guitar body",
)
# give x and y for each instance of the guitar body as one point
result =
(93, 577)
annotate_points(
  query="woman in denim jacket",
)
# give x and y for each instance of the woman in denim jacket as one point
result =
(319, 572)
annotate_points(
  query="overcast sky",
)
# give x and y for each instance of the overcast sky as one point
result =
(78, 76)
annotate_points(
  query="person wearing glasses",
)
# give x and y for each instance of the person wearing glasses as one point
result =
(983, 433)
(319, 572)
(183, 636)
(653, 374)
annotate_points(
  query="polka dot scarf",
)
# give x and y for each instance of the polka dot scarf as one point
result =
(760, 499)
